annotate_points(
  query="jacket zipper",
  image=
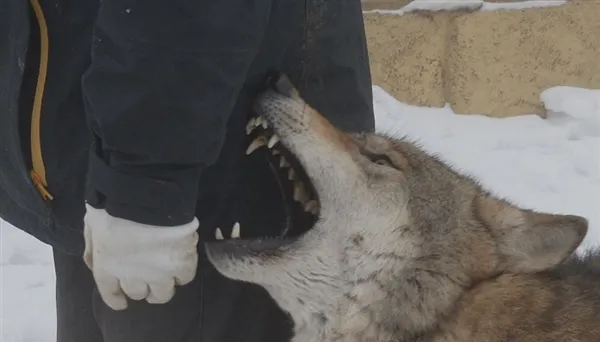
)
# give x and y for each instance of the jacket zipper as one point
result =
(38, 172)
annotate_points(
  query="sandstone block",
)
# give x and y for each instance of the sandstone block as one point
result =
(500, 61)
(407, 54)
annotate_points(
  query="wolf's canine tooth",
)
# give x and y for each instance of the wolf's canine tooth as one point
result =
(251, 126)
(235, 232)
(300, 194)
(218, 234)
(283, 162)
(275, 152)
(274, 140)
(291, 174)
(260, 121)
(258, 142)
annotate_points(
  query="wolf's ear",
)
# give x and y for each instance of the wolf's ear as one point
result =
(530, 241)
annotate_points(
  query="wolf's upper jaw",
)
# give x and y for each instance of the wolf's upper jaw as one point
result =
(303, 191)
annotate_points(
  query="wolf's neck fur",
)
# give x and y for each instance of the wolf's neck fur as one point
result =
(400, 309)
(368, 311)
(427, 306)
(368, 294)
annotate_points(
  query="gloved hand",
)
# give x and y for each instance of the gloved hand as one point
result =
(137, 260)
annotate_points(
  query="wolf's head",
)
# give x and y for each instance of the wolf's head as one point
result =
(396, 228)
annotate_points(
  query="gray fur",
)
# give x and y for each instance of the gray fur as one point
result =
(406, 249)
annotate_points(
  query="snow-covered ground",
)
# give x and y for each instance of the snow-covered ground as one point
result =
(550, 165)
(471, 5)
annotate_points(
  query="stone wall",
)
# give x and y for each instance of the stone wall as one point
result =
(483, 62)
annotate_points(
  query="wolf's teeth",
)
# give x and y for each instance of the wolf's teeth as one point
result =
(312, 207)
(291, 174)
(283, 162)
(218, 234)
(235, 232)
(275, 152)
(300, 194)
(274, 140)
(258, 142)
(255, 122)
(252, 124)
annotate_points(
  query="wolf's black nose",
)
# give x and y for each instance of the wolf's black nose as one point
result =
(280, 83)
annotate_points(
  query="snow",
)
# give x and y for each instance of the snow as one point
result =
(436, 5)
(471, 5)
(494, 6)
(577, 107)
(550, 165)
(26, 288)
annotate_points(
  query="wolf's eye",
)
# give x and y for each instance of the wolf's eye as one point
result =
(382, 159)
(379, 159)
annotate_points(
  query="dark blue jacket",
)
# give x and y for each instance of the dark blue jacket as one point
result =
(140, 106)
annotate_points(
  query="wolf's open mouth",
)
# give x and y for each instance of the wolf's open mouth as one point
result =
(304, 192)
(304, 206)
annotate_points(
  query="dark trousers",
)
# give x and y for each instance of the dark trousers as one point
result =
(83, 317)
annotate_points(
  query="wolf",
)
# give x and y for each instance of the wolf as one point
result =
(405, 248)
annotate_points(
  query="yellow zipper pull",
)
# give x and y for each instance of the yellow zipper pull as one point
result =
(40, 185)
(38, 173)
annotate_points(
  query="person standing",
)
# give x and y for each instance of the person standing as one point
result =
(122, 126)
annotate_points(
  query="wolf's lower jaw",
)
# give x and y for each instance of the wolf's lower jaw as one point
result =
(304, 192)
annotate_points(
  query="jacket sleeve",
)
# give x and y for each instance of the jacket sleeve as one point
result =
(163, 80)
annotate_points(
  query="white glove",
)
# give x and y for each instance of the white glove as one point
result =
(138, 260)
